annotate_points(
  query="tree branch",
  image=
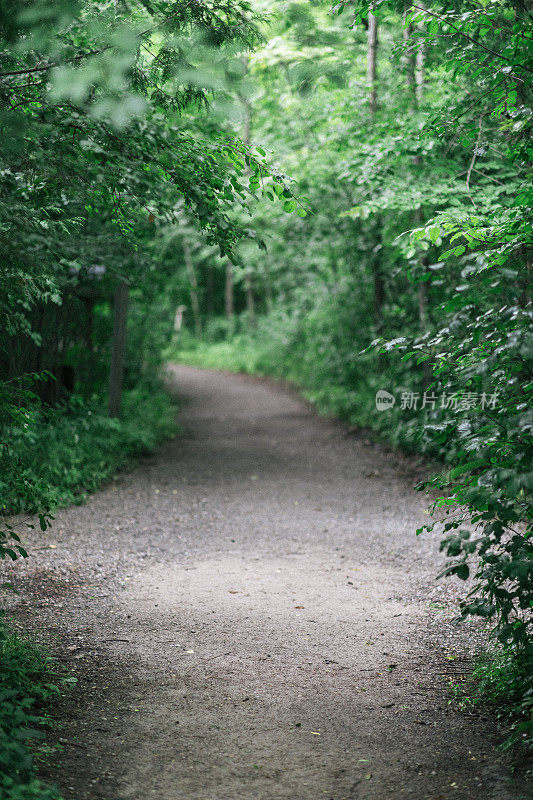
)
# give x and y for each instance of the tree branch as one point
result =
(49, 66)
(470, 39)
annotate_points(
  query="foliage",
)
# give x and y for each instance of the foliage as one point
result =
(481, 346)
(29, 679)
(242, 354)
(72, 450)
(18, 411)
(498, 679)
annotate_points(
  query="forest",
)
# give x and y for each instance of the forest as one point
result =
(337, 197)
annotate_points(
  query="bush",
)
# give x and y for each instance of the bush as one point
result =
(55, 456)
(74, 449)
(28, 679)
(237, 354)
(498, 679)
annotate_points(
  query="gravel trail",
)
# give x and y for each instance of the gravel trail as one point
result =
(251, 617)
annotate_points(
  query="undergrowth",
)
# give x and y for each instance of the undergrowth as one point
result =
(497, 680)
(29, 679)
(69, 451)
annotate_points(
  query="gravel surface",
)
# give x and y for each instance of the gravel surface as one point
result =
(251, 617)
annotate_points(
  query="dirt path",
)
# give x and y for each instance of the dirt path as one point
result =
(252, 618)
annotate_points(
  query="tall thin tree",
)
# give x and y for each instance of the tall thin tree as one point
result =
(246, 137)
(193, 282)
(372, 74)
(371, 69)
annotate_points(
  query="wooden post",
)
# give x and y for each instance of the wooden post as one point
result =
(178, 319)
(118, 348)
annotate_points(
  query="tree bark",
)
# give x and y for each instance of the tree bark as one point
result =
(371, 67)
(210, 290)
(420, 65)
(379, 294)
(423, 285)
(422, 289)
(247, 107)
(228, 294)
(410, 64)
(269, 299)
(246, 136)
(415, 68)
(195, 305)
(118, 348)
(250, 302)
(379, 285)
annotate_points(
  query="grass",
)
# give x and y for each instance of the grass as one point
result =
(238, 355)
(29, 679)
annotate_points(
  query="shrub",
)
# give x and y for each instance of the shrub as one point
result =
(28, 679)
(55, 456)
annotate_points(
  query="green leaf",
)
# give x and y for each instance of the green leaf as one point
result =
(469, 467)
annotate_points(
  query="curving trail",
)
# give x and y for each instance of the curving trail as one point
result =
(252, 618)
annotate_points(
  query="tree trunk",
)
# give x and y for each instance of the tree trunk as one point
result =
(250, 302)
(371, 68)
(423, 304)
(210, 290)
(422, 289)
(228, 294)
(195, 305)
(423, 285)
(269, 299)
(247, 108)
(118, 348)
(410, 64)
(420, 65)
(246, 136)
(415, 80)
(379, 285)
(379, 293)
(527, 282)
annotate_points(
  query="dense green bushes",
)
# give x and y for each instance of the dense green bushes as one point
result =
(497, 680)
(29, 679)
(72, 450)
(53, 456)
